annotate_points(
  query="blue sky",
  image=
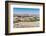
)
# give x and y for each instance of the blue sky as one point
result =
(26, 10)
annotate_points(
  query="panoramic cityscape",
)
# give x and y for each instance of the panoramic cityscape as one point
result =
(26, 17)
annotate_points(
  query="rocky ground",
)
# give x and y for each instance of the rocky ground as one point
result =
(26, 24)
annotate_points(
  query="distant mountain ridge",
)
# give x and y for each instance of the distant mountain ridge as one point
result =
(27, 15)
